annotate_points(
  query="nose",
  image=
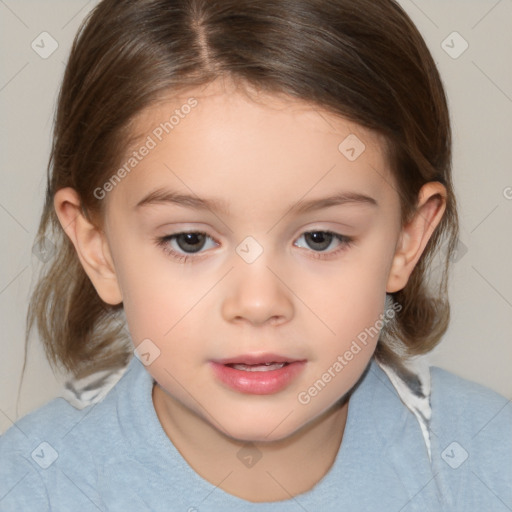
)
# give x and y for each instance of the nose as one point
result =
(257, 294)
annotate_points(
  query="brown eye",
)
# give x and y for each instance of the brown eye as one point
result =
(319, 240)
(184, 246)
(190, 242)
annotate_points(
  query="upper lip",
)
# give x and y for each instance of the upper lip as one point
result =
(257, 359)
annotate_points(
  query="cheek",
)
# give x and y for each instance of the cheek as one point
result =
(151, 299)
(347, 299)
(351, 304)
(151, 287)
(353, 311)
(156, 309)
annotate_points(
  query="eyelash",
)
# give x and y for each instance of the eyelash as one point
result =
(163, 242)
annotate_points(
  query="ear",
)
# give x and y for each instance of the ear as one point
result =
(416, 233)
(90, 244)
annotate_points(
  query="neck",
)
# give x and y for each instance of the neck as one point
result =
(259, 471)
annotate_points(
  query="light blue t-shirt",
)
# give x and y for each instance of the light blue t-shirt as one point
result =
(115, 456)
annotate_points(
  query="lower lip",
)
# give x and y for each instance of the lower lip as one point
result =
(258, 383)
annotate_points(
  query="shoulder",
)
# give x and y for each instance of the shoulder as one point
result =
(27, 449)
(43, 449)
(471, 433)
(43, 424)
(467, 403)
(56, 420)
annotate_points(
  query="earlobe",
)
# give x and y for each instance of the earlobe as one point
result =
(90, 244)
(416, 234)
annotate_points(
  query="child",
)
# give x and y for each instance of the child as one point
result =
(305, 148)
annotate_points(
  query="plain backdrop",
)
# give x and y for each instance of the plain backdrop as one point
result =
(478, 81)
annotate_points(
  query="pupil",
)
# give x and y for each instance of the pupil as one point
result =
(188, 241)
(319, 237)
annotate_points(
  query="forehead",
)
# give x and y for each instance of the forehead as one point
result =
(221, 139)
(233, 105)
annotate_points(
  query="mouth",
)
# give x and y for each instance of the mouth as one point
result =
(258, 374)
(263, 359)
(264, 367)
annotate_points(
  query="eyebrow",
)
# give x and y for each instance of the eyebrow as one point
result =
(162, 196)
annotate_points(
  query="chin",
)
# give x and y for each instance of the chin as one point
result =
(255, 430)
(257, 436)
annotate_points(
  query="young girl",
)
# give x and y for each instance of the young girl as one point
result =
(248, 197)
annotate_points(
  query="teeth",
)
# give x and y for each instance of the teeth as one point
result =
(265, 367)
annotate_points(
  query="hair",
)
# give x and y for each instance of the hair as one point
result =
(363, 60)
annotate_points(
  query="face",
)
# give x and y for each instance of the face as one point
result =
(254, 266)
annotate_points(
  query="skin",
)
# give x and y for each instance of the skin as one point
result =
(261, 154)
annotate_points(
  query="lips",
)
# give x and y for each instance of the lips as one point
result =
(258, 374)
(256, 359)
(265, 367)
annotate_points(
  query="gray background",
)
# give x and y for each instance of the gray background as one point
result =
(479, 86)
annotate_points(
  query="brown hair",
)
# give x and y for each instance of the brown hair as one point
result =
(364, 60)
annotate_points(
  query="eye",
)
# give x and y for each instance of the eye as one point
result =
(320, 241)
(185, 245)
(189, 242)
